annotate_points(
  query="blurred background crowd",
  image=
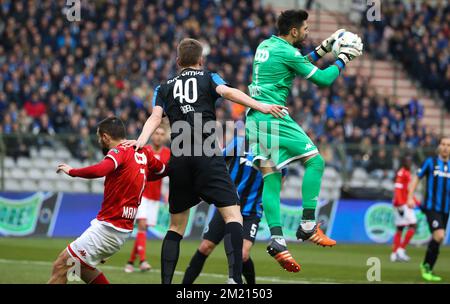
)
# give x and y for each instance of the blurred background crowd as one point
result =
(61, 78)
(417, 35)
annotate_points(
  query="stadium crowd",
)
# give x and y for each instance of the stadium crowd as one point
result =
(417, 35)
(59, 77)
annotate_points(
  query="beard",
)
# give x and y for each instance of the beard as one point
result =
(105, 150)
(299, 43)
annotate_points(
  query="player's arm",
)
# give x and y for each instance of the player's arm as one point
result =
(411, 190)
(103, 168)
(427, 165)
(322, 78)
(241, 98)
(150, 126)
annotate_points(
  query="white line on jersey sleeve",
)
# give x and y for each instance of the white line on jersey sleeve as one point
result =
(115, 161)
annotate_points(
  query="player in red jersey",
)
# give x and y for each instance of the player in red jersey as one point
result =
(126, 172)
(404, 214)
(147, 214)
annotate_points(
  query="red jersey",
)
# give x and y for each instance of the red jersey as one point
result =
(153, 188)
(402, 180)
(127, 172)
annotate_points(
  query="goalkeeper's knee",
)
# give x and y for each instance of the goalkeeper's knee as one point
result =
(316, 162)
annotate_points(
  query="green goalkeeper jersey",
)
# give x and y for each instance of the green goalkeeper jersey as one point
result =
(275, 65)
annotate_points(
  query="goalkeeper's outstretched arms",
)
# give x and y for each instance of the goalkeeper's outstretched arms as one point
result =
(323, 78)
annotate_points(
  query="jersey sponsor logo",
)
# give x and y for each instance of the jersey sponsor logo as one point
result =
(129, 212)
(261, 55)
(193, 73)
(140, 158)
(441, 174)
(254, 90)
(186, 109)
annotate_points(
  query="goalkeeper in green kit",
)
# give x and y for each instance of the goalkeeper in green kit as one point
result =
(276, 142)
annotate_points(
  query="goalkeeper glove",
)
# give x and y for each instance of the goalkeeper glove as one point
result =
(327, 44)
(348, 53)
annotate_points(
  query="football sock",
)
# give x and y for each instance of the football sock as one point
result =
(271, 201)
(432, 253)
(100, 279)
(409, 235)
(170, 251)
(276, 232)
(233, 240)
(397, 239)
(248, 271)
(194, 268)
(312, 179)
(133, 252)
(141, 240)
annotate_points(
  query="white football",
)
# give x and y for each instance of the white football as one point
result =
(344, 39)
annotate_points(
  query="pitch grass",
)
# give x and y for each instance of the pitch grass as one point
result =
(29, 260)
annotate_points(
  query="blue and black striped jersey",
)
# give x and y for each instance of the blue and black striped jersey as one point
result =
(248, 180)
(437, 193)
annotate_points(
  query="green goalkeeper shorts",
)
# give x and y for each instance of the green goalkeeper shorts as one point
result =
(280, 140)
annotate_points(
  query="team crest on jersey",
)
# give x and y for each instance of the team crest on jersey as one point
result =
(115, 150)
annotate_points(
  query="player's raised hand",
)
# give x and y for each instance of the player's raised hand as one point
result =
(276, 110)
(64, 168)
(350, 52)
(327, 44)
(137, 144)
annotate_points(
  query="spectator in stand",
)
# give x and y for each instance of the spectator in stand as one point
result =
(381, 166)
(75, 74)
(418, 38)
(44, 131)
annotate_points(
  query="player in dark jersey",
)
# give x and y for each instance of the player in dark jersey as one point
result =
(436, 204)
(127, 172)
(249, 183)
(196, 169)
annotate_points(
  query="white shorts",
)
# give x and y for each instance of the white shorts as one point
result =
(96, 244)
(404, 216)
(148, 210)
